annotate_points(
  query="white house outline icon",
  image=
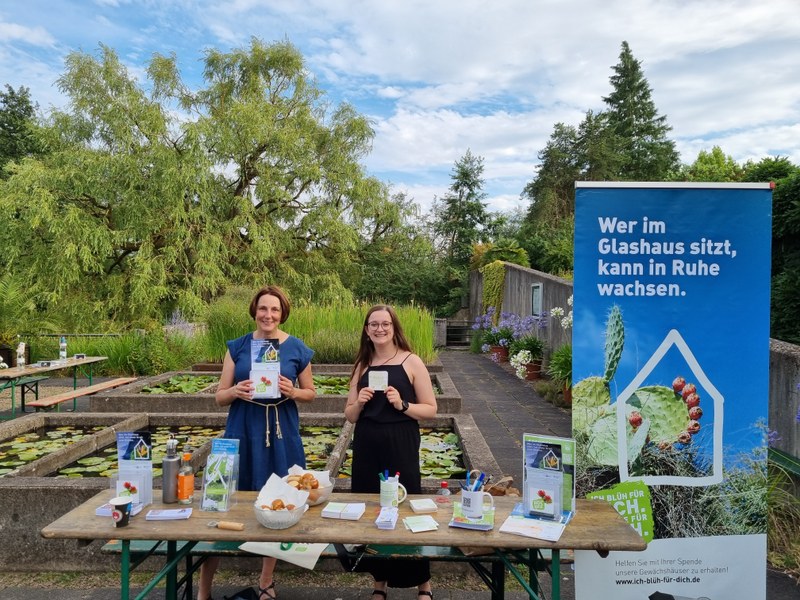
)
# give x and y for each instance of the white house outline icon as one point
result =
(673, 338)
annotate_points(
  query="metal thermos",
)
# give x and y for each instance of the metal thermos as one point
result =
(169, 476)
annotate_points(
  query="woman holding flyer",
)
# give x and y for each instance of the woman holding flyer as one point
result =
(264, 375)
(390, 391)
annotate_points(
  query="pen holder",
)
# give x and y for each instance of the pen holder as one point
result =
(390, 492)
(472, 503)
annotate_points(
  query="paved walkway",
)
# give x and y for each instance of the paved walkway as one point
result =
(504, 408)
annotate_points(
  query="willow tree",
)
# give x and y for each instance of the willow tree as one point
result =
(159, 196)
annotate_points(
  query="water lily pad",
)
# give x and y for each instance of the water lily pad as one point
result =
(91, 460)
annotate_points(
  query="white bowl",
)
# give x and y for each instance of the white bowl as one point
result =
(279, 519)
(319, 495)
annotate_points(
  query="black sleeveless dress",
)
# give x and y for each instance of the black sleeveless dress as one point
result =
(386, 439)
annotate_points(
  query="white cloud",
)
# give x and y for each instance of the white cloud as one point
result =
(34, 36)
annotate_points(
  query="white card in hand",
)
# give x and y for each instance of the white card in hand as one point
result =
(378, 380)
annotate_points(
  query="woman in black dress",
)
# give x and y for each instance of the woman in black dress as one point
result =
(386, 435)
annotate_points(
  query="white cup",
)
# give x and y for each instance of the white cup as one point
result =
(390, 492)
(472, 503)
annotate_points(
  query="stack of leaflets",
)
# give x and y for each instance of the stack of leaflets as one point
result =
(543, 529)
(350, 511)
(423, 505)
(387, 519)
(105, 510)
(485, 523)
(416, 524)
(168, 514)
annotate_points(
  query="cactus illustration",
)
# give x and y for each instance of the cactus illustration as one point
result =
(654, 414)
(591, 397)
(615, 340)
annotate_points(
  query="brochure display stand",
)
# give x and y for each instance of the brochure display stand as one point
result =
(135, 476)
(548, 493)
(221, 475)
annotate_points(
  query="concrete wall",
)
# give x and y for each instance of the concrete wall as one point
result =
(517, 299)
(784, 397)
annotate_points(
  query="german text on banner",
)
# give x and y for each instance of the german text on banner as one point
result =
(670, 384)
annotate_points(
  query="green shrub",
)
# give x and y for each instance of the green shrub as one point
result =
(560, 365)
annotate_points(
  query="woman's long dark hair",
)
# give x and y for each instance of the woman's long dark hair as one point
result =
(366, 349)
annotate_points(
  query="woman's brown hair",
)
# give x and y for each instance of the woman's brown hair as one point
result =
(271, 290)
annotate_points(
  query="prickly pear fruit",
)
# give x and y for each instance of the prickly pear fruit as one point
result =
(695, 413)
(692, 400)
(615, 340)
(693, 427)
(677, 384)
(635, 419)
(684, 437)
(688, 389)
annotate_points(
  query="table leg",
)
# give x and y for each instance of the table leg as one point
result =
(125, 570)
(555, 566)
(172, 574)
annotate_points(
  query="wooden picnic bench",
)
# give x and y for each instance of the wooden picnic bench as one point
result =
(51, 402)
(489, 566)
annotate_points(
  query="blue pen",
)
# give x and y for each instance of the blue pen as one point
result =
(386, 474)
(467, 479)
(478, 483)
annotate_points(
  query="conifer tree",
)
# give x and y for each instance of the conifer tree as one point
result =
(647, 154)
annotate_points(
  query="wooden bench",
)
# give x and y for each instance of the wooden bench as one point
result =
(493, 575)
(30, 385)
(51, 402)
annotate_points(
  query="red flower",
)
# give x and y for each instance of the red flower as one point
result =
(542, 494)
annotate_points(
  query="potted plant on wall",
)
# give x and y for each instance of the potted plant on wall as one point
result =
(560, 370)
(526, 356)
(497, 340)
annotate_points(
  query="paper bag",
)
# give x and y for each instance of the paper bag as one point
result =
(302, 555)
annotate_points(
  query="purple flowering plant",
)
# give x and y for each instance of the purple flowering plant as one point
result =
(509, 327)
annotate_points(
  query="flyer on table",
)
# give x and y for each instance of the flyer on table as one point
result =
(670, 383)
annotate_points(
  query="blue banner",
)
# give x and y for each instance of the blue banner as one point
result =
(670, 382)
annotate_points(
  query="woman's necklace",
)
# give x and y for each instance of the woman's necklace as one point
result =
(388, 359)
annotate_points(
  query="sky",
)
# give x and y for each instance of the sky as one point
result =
(438, 78)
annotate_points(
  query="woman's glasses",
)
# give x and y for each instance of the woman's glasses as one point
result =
(374, 325)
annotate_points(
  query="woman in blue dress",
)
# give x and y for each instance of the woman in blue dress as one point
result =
(268, 430)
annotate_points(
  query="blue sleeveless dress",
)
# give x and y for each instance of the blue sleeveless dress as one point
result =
(269, 434)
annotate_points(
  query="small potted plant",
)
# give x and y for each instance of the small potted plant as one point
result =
(497, 341)
(560, 370)
(527, 353)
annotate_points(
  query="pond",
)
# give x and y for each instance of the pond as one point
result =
(181, 384)
(30, 446)
(103, 463)
(318, 442)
